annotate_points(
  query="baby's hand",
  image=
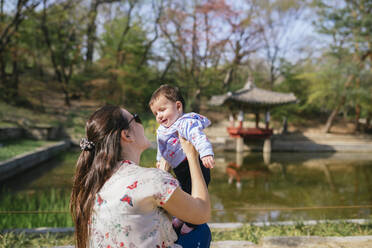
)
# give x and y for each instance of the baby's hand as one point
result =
(208, 161)
(163, 165)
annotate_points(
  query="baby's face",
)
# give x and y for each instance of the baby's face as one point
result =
(166, 111)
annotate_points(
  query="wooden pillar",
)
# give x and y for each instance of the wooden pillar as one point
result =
(240, 140)
(266, 157)
(267, 145)
(257, 119)
(240, 118)
(239, 144)
(232, 120)
(239, 159)
(267, 119)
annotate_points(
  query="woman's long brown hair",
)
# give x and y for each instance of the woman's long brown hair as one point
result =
(95, 166)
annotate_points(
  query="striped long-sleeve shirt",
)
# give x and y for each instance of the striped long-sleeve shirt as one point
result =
(190, 126)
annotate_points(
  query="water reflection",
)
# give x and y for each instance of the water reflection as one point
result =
(249, 187)
(292, 186)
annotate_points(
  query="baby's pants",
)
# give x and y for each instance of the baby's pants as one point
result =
(199, 237)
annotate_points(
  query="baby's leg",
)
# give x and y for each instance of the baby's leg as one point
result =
(182, 172)
(200, 237)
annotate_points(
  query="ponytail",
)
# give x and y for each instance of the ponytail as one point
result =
(95, 166)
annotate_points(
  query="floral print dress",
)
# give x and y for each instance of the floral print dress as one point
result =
(127, 211)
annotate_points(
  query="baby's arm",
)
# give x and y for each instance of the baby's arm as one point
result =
(193, 132)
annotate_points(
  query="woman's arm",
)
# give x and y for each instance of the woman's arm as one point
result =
(194, 208)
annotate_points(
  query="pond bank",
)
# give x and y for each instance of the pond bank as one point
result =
(273, 240)
(18, 164)
(293, 142)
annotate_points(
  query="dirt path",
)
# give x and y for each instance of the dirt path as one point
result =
(301, 242)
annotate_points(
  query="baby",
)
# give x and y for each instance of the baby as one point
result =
(167, 104)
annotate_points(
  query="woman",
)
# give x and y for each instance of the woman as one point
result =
(116, 203)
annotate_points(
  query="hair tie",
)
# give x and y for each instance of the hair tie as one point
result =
(86, 145)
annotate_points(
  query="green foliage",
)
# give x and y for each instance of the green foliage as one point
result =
(44, 60)
(348, 23)
(122, 55)
(293, 81)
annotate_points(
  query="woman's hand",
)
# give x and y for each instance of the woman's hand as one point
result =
(188, 148)
(163, 165)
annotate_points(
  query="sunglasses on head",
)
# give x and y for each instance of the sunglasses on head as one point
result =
(136, 118)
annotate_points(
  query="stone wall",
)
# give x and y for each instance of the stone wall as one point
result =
(33, 132)
(9, 133)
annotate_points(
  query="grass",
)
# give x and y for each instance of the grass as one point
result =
(16, 147)
(10, 240)
(248, 233)
(54, 201)
(10, 114)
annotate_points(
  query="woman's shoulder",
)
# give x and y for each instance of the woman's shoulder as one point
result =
(130, 172)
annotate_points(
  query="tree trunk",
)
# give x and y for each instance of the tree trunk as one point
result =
(195, 106)
(91, 33)
(120, 55)
(1, 10)
(164, 73)
(15, 80)
(332, 116)
(58, 72)
(67, 98)
(368, 120)
(357, 106)
(357, 116)
(228, 77)
(2, 75)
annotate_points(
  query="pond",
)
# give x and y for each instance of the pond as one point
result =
(244, 188)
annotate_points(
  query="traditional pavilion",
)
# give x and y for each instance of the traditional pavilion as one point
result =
(254, 100)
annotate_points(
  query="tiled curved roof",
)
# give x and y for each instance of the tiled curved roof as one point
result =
(251, 95)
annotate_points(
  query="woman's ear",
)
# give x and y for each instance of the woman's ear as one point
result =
(125, 136)
(179, 106)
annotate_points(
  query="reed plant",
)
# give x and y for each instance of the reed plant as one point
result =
(31, 209)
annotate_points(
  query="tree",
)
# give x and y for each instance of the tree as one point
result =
(9, 30)
(60, 24)
(92, 28)
(244, 39)
(349, 25)
(195, 44)
(278, 20)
